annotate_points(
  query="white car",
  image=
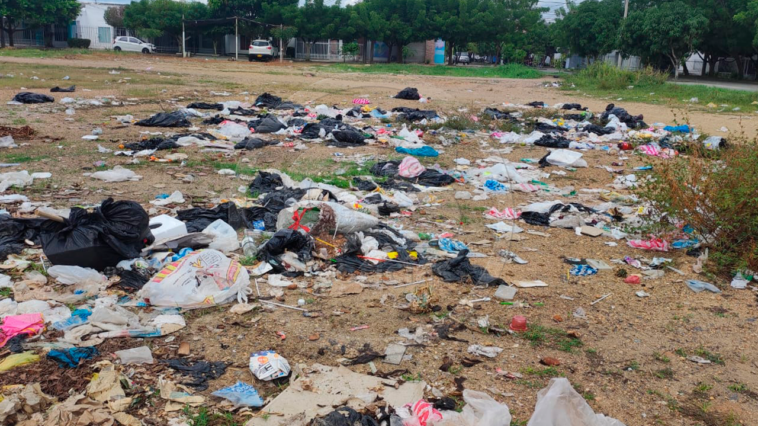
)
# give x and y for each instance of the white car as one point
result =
(132, 44)
(262, 50)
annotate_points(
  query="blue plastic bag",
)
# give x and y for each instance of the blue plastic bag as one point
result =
(451, 245)
(681, 129)
(494, 186)
(697, 286)
(69, 358)
(240, 394)
(425, 151)
(583, 270)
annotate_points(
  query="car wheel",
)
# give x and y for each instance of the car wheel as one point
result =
(116, 49)
(146, 50)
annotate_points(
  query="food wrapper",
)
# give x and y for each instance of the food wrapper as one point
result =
(269, 365)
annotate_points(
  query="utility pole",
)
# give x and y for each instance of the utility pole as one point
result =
(626, 11)
(236, 39)
(281, 54)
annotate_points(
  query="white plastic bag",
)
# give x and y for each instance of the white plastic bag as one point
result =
(224, 236)
(7, 142)
(480, 410)
(116, 174)
(5, 281)
(560, 405)
(68, 274)
(566, 158)
(201, 279)
(232, 131)
(21, 179)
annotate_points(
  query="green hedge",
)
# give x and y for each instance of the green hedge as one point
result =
(79, 43)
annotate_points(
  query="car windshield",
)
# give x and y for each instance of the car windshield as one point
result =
(260, 43)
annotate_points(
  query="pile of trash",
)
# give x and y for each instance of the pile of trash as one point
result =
(113, 271)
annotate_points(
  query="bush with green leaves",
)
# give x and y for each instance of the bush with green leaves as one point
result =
(714, 192)
(605, 76)
(79, 43)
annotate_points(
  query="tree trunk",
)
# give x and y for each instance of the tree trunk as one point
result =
(10, 29)
(675, 62)
(498, 52)
(685, 70)
(400, 53)
(389, 52)
(452, 54)
(740, 68)
(705, 62)
(712, 65)
(365, 51)
(307, 51)
(2, 32)
(371, 52)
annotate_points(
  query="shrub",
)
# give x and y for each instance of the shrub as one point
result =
(79, 43)
(715, 193)
(607, 77)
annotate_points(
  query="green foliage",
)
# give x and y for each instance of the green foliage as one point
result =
(669, 29)
(151, 18)
(607, 77)
(538, 335)
(590, 28)
(737, 387)
(501, 71)
(666, 373)
(79, 43)
(114, 16)
(712, 357)
(725, 217)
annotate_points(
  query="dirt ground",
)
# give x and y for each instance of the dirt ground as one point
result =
(631, 363)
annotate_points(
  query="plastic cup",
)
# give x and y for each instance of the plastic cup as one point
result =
(518, 323)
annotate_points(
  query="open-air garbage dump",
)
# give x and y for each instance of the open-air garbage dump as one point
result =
(380, 259)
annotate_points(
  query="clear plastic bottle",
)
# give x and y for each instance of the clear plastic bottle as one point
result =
(250, 242)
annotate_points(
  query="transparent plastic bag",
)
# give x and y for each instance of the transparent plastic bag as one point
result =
(67, 274)
(560, 405)
(480, 410)
(224, 236)
(140, 355)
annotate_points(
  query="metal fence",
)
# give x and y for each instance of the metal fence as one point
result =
(329, 50)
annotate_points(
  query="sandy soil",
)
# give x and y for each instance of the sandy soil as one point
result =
(627, 343)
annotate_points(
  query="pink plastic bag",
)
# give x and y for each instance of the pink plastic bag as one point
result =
(507, 213)
(410, 167)
(13, 325)
(654, 244)
(423, 414)
(525, 187)
(361, 101)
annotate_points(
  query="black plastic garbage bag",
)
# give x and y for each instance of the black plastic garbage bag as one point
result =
(204, 105)
(269, 217)
(198, 372)
(385, 168)
(296, 122)
(115, 231)
(14, 231)
(431, 177)
(573, 106)
(631, 121)
(134, 280)
(349, 262)
(32, 98)
(388, 208)
(269, 124)
(495, 113)
(251, 143)
(286, 240)
(288, 105)
(409, 93)
(268, 100)
(594, 128)
(266, 182)
(345, 416)
(243, 112)
(57, 89)
(408, 114)
(543, 219)
(460, 269)
(312, 131)
(346, 138)
(276, 201)
(163, 119)
(551, 141)
(198, 219)
(157, 143)
(399, 185)
(214, 120)
(364, 185)
(536, 104)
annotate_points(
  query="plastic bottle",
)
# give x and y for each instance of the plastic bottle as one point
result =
(250, 242)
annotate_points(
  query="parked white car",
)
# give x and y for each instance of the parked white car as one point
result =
(132, 44)
(261, 50)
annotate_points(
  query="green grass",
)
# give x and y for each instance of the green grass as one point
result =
(538, 335)
(606, 81)
(501, 71)
(33, 52)
(666, 373)
(6, 292)
(247, 260)
(737, 387)
(712, 357)
(542, 372)
(19, 158)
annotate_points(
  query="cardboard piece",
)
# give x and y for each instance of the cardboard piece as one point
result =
(505, 292)
(591, 231)
(317, 393)
(394, 354)
(599, 264)
(530, 284)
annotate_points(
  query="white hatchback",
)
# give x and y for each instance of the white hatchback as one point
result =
(132, 44)
(262, 50)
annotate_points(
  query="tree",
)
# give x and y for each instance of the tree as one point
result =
(364, 22)
(151, 18)
(670, 29)
(404, 21)
(590, 28)
(114, 16)
(37, 13)
(316, 21)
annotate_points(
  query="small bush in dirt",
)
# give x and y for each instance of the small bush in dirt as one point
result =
(607, 77)
(715, 194)
(79, 43)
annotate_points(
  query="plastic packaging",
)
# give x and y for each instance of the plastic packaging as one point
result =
(224, 236)
(518, 323)
(140, 355)
(116, 174)
(201, 279)
(480, 410)
(560, 405)
(232, 131)
(16, 360)
(566, 158)
(269, 365)
(241, 395)
(410, 167)
(67, 274)
(250, 242)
